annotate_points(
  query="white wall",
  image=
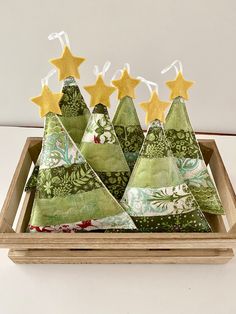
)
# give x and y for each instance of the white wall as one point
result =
(149, 34)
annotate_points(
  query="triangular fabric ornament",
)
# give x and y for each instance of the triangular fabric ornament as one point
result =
(70, 197)
(102, 150)
(156, 196)
(189, 157)
(186, 149)
(126, 122)
(74, 115)
(100, 145)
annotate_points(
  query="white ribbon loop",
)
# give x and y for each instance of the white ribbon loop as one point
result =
(126, 66)
(149, 84)
(115, 75)
(60, 35)
(173, 65)
(104, 69)
(44, 81)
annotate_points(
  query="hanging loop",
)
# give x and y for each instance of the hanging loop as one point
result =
(104, 69)
(173, 64)
(60, 35)
(44, 81)
(149, 84)
(126, 66)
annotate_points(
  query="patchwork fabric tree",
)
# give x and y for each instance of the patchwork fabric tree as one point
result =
(100, 145)
(70, 197)
(74, 111)
(156, 196)
(186, 148)
(126, 121)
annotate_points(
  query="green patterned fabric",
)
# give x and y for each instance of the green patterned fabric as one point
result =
(70, 197)
(101, 148)
(156, 197)
(128, 130)
(75, 116)
(185, 148)
(32, 181)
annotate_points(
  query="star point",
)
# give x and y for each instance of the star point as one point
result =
(48, 101)
(126, 85)
(67, 64)
(100, 92)
(155, 108)
(179, 87)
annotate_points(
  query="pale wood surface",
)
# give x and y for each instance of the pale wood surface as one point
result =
(140, 287)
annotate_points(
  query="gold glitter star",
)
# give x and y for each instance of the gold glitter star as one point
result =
(100, 92)
(179, 87)
(155, 108)
(126, 85)
(67, 64)
(48, 101)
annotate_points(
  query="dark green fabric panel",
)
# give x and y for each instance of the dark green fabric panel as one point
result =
(62, 181)
(32, 181)
(189, 222)
(116, 182)
(184, 144)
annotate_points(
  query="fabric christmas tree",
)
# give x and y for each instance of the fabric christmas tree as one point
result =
(100, 145)
(74, 111)
(126, 121)
(70, 197)
(156, 196)
(186, 148)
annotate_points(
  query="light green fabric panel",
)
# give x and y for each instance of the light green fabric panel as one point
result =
(177, 117)
(155, 173)
(104, 157)
(75, 126)
(126, 114)
(94, 204)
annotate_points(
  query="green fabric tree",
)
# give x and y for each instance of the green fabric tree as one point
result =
(100, 145)
(126, 122)
(74, 112)
(70, 197)
(156, 196)
(186, 149)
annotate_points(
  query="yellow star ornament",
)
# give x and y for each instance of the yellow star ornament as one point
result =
(48, 101)
(179, 87)
(67, 64)
(100, 92)
(126, 85)
(155, 108)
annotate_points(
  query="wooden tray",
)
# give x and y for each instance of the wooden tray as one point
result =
(95, 247)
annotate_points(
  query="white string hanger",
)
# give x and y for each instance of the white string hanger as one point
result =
(104, 69)
(149, 84)
(44, 80)
(64, 42)
(173, 65)
(126, 67)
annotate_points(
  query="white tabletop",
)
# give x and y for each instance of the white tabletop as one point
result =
(112, 289)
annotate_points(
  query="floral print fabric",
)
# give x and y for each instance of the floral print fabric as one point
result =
(70, 196)
(160, 201)
(99, 130)
(190, 161)
(62, 181)
(157, 207)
